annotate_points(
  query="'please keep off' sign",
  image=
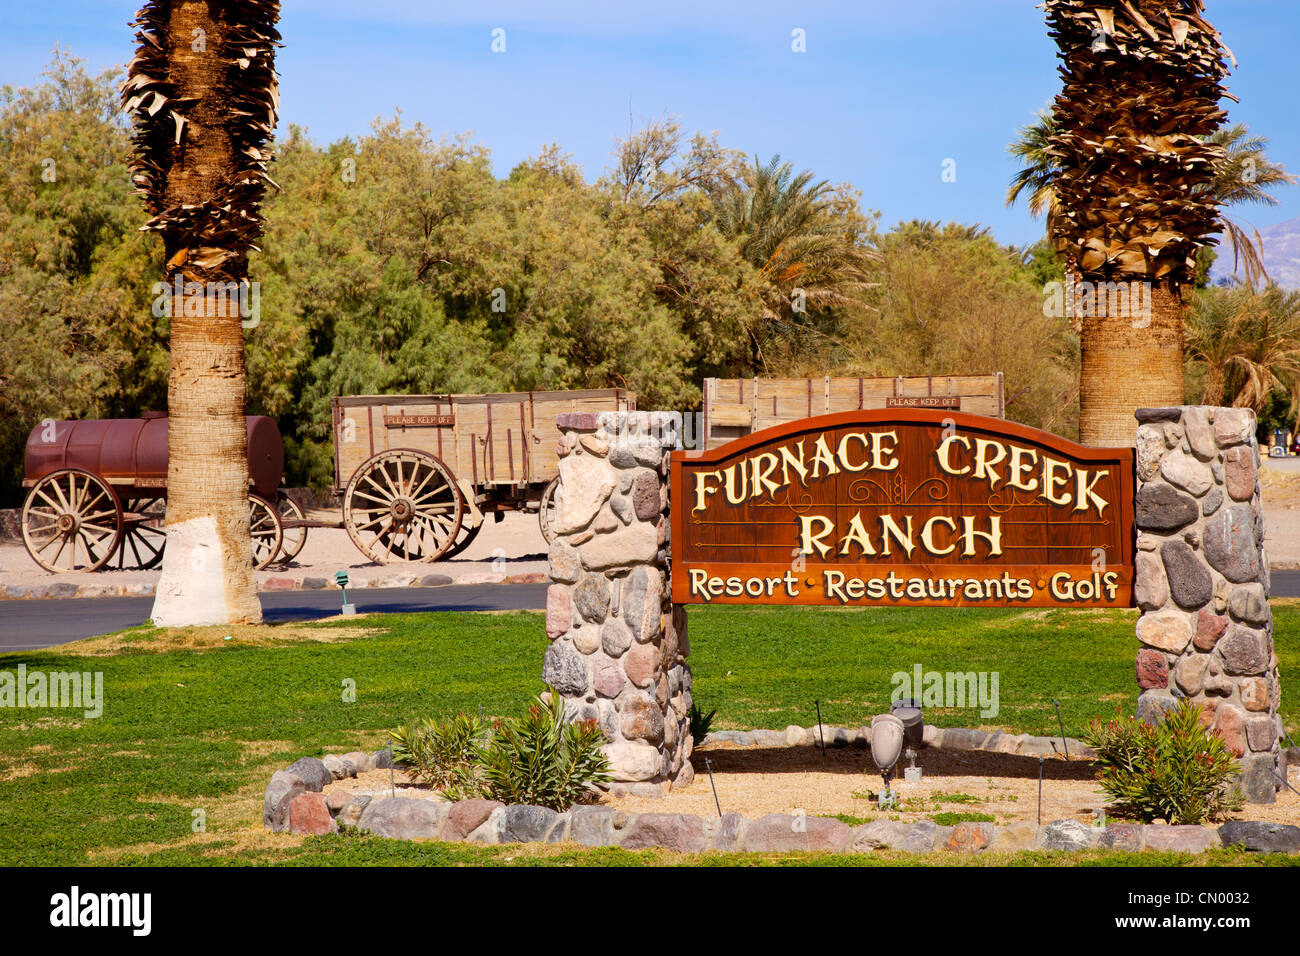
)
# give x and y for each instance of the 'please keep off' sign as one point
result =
(903, 507)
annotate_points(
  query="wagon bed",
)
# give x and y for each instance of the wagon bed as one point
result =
(418, 473)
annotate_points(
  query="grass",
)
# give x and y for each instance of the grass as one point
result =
(195, 722)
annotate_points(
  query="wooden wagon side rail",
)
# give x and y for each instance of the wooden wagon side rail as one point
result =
(493, 452)
(735, 407)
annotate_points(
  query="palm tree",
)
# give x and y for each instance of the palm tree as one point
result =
(1248, 343)
(809, 263)
(202, 94)
(1244, 175)
(1133, 177)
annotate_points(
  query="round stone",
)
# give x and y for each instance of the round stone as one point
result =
(1231, 545)
(1161, 507)
(565, 670)
(1189, 580)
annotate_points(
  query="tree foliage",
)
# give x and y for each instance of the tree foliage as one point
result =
(397, 261)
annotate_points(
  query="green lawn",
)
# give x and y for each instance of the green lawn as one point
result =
(194, 722)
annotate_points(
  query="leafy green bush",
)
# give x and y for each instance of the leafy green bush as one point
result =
(543, 759)
(444, 754)
(701, 722)
(1177, 771)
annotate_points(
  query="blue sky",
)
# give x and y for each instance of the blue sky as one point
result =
(885, 92)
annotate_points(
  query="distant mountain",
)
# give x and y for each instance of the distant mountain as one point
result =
(1281, 255)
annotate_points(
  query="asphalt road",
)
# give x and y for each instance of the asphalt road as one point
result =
(29, 625)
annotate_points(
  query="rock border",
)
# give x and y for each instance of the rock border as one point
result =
(294, 803)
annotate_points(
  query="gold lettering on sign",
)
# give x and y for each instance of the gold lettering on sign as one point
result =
(927, 535)
(944, 453)
(990, 461)
(808, 540)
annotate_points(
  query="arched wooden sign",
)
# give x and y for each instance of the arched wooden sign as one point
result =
(903, 507)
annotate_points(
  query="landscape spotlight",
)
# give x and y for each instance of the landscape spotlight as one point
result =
(886, 746)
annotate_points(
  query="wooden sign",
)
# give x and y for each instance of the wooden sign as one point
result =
(924, 401)
(419, 421)
(903, 507)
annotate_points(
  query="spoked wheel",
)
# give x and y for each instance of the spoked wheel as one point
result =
(464, 539)
(72, 521)
(403, 505)
(266, 530)
(546, 511)
(143, 535)
(294, 538)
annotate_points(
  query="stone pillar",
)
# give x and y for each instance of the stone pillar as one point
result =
(618, 645)
(1201, 581)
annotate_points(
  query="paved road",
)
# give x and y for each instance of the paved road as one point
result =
(28, 625)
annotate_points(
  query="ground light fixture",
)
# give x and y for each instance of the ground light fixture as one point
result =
(886, 745)
(909, 712)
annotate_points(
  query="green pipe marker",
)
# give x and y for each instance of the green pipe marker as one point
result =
(341, 579)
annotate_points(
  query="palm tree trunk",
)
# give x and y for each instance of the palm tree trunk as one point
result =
(1129, 363)
(207, 575)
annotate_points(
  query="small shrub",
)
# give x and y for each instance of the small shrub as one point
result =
(1177, 771)
(958, 798)
(701, 722)
(950, 818)
(444, 754)
(543, 759)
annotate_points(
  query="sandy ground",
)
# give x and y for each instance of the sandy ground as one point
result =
(512, 546)
(1279, 481)
(754, 782)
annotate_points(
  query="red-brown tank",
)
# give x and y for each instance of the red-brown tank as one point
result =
(131, 453)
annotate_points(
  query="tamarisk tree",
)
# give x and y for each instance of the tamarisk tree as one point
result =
(202, 94)
(1134, 172)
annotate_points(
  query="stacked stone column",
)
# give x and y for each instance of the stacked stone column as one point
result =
(618, 644)
(1201, 580)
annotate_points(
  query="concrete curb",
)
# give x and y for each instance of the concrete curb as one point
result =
(62, 589)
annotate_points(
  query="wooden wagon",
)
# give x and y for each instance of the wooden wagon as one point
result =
(418, 474)
(734, 407)
(97, 493)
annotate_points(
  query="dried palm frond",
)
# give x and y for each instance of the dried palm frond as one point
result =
(1142, 85)
(218, 228)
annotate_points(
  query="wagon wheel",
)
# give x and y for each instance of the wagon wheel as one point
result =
(266, 530)
(294, 538)
(143, 535)
(72, 521)
(402, 505)
(546, 510)
(464, 539)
